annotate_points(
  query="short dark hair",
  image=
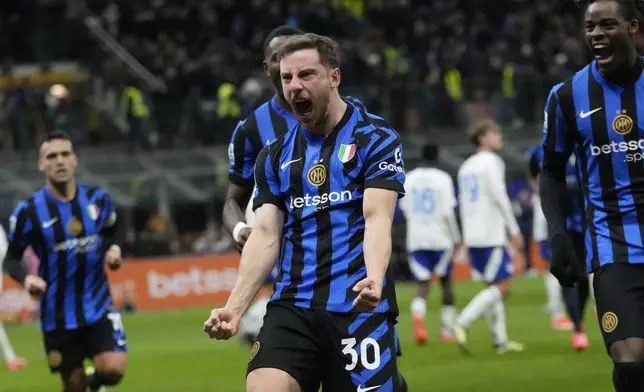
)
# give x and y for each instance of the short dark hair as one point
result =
(628, 8)
(54, 135)
(430, 153)
(480, 129)
(281, 31)
(326, 47)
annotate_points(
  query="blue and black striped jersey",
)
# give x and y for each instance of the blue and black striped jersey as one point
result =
(574, 219)
(601, 123)
(263, 126)
(69, 239)
(320, 183)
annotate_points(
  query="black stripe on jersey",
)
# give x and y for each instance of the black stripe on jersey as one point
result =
(280, 126)
(252, 133)
(569, 111)
(81, 266)
(61, 264)
(605, 167)
(324, 243)
(635, 169)
(297, 188)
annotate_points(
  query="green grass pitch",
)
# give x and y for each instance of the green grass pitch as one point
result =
(169, 352)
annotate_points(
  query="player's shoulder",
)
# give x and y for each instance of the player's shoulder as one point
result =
(370, 128)
(249, 124)
(566, 88)
(26, 206)
(354, 101)
(93, 191)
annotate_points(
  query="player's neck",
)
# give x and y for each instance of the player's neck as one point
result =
(337, 109)
(629, 72)
(62, 191)
(482, 148)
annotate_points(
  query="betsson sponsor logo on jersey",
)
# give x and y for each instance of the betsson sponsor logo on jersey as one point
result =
(320, 202)
(633, 149)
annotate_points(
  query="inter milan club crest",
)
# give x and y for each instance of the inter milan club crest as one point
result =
(317, 175)
(92, 212)
(622, 124)
(74, 226)
(346, 152)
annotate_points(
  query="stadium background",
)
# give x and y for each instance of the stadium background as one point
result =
(430, 68)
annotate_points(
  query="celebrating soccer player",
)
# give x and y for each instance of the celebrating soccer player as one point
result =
(487, 219)
(433, 237)
(9, 355)
(268, 122)
(71, 228)
(596, 114)
(325, 200)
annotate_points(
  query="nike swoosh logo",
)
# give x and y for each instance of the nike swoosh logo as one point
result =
(286, 164)
(49, 223)
(586, 114)
(360, 389)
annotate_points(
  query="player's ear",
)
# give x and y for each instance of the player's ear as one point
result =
(41, 166)
(265, 66)
(633, 27)
(335, 77)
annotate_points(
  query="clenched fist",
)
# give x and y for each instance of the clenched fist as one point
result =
(222, 324)
(35, 285)
(369, 295)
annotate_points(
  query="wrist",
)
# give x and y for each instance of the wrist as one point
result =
(237, 230)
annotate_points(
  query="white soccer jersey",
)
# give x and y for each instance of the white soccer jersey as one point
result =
(539, 223)
(429, 210)
(485, 208)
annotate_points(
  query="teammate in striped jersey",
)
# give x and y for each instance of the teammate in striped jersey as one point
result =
(575, 297)
(268, 122)
(597, 115)
(487, 219)
(11, 360)
(71, 228)
(324, 206)
(433, 237)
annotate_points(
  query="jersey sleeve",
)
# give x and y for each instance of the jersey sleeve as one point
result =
(20, 226)
(107, 211)
(556, 135)
(385, 167)
(241, 157)
(267, 190)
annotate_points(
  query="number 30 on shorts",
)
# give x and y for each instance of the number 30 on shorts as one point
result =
(349, 348)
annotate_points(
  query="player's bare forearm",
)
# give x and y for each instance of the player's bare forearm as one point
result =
(378, 207)
(237, 198)
(554, 191)
(258, 258)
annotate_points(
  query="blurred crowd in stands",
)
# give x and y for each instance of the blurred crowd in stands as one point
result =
(424, 65)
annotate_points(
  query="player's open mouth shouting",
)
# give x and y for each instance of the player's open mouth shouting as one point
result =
(303, 106)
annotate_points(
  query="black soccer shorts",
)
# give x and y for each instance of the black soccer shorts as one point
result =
(619, 293)
(345, 352)
(66, 350)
